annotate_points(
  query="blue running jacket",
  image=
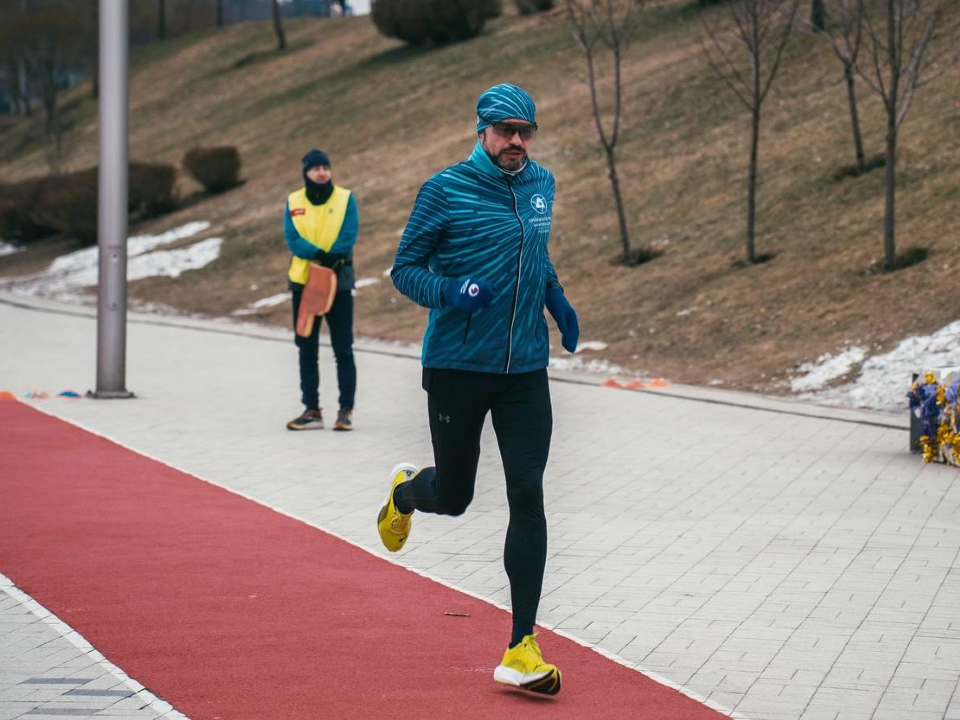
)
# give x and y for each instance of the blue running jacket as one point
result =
(473, 220)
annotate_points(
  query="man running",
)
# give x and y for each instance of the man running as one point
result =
(475, 252)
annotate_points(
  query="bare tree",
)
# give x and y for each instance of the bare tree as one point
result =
(161, 19)
(908, 43)
(599, 25)
(845, 34)
(49, 46)
(761, 28)
(818, 14)
(278, 26)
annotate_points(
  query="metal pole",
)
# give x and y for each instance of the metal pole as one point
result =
(112, 217)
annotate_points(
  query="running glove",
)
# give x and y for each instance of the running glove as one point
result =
(566, 317)
(467, 294)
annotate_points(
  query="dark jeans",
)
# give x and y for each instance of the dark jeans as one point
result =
(458, 403)
(340, 323)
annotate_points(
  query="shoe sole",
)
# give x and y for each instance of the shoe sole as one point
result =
(343, 428)
(385, 508)
(545, 683)
(311, 426)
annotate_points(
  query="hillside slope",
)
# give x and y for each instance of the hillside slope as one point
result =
(389, 116)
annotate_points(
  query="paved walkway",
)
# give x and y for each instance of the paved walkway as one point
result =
(781, 560)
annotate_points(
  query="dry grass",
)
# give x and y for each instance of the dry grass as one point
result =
(389, 116)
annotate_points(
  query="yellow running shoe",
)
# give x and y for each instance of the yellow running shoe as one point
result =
(523, 667)
(393, 525)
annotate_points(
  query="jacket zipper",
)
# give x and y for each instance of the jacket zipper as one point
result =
(466, 330)
(516, 290)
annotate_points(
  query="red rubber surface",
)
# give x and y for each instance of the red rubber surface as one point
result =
(228, 609)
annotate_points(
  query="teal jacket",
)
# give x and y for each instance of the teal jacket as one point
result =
(474, 220)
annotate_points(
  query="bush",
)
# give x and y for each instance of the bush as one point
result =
(151, 188)
(19, 203)
(216, 168)
(436, 22)
(69, 204)
(529, 7)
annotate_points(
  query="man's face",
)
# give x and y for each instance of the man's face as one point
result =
(319, 174)
(505, 144)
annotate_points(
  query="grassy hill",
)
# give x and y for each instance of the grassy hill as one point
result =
(389, 116)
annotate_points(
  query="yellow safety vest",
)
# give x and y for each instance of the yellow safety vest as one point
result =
(317, 224)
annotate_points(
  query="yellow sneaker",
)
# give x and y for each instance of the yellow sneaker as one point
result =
(523, 667)
(393, 525)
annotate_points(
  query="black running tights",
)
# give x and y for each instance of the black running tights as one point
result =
(458, 402)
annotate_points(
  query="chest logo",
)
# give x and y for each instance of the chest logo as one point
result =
(297, 211)
(539, 203)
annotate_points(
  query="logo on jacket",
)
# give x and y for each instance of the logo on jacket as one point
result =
(539, 203)
(473, 290)
(298, 211)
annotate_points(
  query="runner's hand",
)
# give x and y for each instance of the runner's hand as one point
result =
(567, 322)
(467, 293)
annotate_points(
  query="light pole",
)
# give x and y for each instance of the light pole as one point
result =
(112, 209)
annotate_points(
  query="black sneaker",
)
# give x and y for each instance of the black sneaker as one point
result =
(344, 420)
(309, 420)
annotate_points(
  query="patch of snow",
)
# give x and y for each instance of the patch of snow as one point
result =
(364, 282)
(9, 248)
(573, 364)
(885, 379)
(136, 245)
(591, 345)
(826, 368)
(271, 301)
(386, 273)
(69, 273)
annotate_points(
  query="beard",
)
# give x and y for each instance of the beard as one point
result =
(510, 162)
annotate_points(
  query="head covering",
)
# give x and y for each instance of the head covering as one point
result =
(504, 101)
(315, 158)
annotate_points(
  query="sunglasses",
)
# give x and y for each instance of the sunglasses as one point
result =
(508, 130)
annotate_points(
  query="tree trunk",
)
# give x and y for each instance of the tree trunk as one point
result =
(818, 15)
(278, 26)
(752, 184)
(161, 19)
(889, 195)
(219, 13)
(855, 118)
(618, 199)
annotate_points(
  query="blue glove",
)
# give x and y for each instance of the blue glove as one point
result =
(467, 294)
(566, 317)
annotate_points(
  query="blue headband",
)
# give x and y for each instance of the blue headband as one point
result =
(502, 102)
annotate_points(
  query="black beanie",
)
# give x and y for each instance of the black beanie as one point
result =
(315, 158)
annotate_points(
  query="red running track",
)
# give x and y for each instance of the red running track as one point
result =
(228, 609)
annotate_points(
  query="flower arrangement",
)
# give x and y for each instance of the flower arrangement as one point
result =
(935, 404)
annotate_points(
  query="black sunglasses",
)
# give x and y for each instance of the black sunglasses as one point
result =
(508, 130)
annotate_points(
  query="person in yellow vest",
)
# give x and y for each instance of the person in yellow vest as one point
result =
(320, 226)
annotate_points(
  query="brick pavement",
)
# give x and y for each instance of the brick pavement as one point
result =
(782, 560)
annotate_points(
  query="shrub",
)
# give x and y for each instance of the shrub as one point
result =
(529, 7)
(216, 168)
(19, 203)
(69, 204)
(151, 188)
(425, 22)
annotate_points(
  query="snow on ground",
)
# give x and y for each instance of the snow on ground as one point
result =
(826, 368)
(69, 273)
(884, 379)
(9, 249)
(364, 282)
(271, 301)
